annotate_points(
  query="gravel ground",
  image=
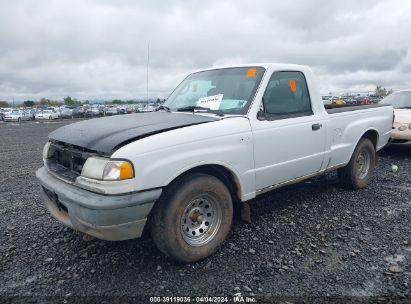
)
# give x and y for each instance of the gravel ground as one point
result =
(313, 241)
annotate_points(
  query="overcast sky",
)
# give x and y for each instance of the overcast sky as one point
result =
(98, 49)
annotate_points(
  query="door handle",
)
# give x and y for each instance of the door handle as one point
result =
(316, 126)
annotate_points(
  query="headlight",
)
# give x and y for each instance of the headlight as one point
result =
(46, 151)
(402, 128)
(409, 126)
(105, 169)
(118, 170)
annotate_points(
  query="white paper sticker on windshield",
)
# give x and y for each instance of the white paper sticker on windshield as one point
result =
(211, 102)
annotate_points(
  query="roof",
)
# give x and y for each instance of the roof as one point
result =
(265, 65)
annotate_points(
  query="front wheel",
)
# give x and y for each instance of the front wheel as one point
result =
(192, 218)
(359, 171)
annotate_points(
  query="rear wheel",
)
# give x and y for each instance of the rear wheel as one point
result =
(192, 218)
(359, 171)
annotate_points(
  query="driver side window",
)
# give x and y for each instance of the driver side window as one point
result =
(287, 96)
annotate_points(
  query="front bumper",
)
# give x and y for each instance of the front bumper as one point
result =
(404, 135)
(401, 135)
(11, 118)
(107, 217)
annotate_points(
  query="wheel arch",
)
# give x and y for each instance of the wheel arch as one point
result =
(371, 134)
(348, 174)
(223, 173)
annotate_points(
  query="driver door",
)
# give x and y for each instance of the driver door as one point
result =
(289, 139)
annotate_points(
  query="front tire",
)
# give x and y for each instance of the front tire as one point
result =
(192, 218)
(358, 173)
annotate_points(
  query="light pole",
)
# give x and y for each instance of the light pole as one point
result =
(148, 62)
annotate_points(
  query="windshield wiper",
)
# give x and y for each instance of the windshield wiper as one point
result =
(407, 107)
(199, 109)
(163, 108)
(191, 109)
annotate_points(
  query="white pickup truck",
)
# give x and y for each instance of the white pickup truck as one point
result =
(223, 137)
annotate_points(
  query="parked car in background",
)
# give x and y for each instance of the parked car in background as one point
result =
(78, 112)
(147, 108)
(33, 113)
(130, 110)
(93, 112)
(374, 99)
(401, 101)
(17, 115)
(224, 136)
(326, 99)
(47, 114)
(339, 101)
(3, 112)
(66, 113)
(365, 100)
(110, 110)
(350, 100)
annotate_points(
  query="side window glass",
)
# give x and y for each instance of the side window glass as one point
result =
(287, 95)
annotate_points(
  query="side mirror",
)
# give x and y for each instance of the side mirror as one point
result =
(261, 113)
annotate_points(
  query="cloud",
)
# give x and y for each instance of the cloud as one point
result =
(98, 49)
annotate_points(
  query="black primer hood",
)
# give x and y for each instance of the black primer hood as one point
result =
(109, 133)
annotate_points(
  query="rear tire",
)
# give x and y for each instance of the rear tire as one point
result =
(359, 171)
(192, 218)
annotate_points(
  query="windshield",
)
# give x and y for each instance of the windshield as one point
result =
(15, 112)
(398, 100)
(229, 91)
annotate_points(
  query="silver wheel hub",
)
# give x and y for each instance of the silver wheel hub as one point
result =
(363, 164)
(201, 220)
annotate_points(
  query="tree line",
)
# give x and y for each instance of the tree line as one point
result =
(68, 101)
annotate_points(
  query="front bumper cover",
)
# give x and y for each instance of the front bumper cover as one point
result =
(107, 217)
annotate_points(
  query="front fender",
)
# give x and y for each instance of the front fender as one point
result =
(161, 158)
(228, 167)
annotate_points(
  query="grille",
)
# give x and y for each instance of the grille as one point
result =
(66, 161)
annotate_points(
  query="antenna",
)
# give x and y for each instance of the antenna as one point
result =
(148, 62)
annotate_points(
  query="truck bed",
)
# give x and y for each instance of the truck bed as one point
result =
(332, 109)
